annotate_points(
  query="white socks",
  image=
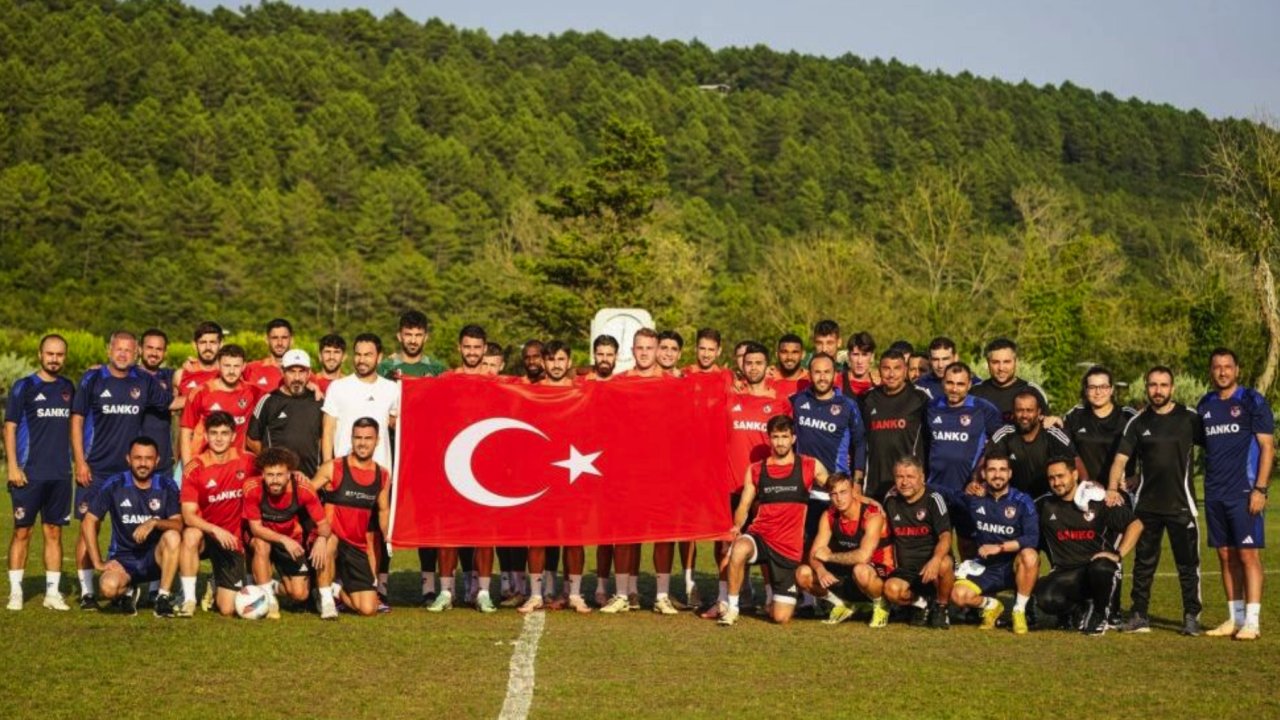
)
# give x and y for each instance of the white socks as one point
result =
(733, 602)
(921, 603)
(15, 582)
(664, 585)
(51, 582)
(621, 581)
(1235, 610)
(688, 581)
(535, 586)
(188, 588)
(987, 603)
(86, 581)
(575, 586)
(446, 584)
(1020, 602)
(723, 595)
(326, 593)
(428, 582)
(1251, 613)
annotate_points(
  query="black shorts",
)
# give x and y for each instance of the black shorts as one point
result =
(847, 589)
(228, 565)
(286, 565)
(782, 570)
(353, 569)
(912, 577)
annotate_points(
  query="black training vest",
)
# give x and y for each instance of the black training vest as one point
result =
(789, 489)
(842, 541)
(283, 516)
(351, 494)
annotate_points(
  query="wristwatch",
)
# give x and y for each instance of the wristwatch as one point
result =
(1261, 489)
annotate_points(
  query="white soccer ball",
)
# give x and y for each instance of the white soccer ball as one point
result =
(251, 603)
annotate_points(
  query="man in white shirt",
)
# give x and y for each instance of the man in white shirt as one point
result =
(361, 394)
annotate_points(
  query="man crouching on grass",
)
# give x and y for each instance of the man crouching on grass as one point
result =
(285, 518)
(775, 538)
(145, 524)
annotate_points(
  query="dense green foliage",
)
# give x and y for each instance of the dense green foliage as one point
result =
(159, 166)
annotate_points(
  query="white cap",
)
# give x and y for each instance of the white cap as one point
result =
(296, 358)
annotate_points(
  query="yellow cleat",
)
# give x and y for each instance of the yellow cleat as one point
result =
(992, 614)
(879, 615)
(1019, 622)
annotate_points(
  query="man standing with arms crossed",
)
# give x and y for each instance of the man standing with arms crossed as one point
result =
(1239, 431)
(1162, 437)
(37, 446)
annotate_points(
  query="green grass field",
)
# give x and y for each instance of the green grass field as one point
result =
(414, 664)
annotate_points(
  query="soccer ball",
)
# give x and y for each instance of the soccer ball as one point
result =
(251, 603)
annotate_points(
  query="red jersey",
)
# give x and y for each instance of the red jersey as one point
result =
(193, 379)
(352, 501)
(788, 387)
(782, 498)
(218, 488)
(846, 535)
(282, 514)
(265, 375)
(856, 387)
(322, 382)
(748, 433)
(210, 397)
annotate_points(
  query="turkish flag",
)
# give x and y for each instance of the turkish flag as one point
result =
(482, 462)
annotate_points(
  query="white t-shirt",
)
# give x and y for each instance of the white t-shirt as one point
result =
(350, 399)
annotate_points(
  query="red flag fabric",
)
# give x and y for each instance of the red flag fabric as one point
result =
(482, 462)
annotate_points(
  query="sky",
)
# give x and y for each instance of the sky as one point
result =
(1219, 56)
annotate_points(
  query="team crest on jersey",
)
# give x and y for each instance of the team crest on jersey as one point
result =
(83, 508)
(1088, 516)
(66, 396)
(242, 403)
(240, 475)
(835, 409)
(135, 392)
(920, 514)
(767, 408)
(19, 513)
(1010, 511)
(154, 504)
(1235, 411)
(965, 420)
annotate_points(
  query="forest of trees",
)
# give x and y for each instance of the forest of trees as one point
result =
(160, 166)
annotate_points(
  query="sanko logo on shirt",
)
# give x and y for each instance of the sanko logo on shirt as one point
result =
(121, 409)
(1221, 429)
(226, 495)
(53, 412)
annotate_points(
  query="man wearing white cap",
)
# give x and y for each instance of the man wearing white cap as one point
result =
(291, 416)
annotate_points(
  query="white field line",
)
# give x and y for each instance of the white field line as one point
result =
(520, 680)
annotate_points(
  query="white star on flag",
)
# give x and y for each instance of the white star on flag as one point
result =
(579, 464)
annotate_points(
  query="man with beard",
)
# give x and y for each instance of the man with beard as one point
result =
(960, 426)
(604, 357)
(1085, 541)
(749, 413)
(333, 350)
(363, 394)
(1239, 431)
(921, 529)
(472, 344)
(357, 491)
(287, 525)
(212, 513)
(775, 537)
(894, 415)
(157, 423)
(1030, 445)
(494, 360)
(1162, 437)
(533, 361)
(37, 448)
(411, 359)
(858, 379)
(826, 339)
(228, 393)
(266, 374)
(106, 416)
(789, 376)
(558, 367)
(145, 523)
(201, 369)
(706, 351)
(291, 417)
(1002, 382)
(1006, 531)
(670, 345)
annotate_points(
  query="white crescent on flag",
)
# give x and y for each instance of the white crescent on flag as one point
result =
(457, 462)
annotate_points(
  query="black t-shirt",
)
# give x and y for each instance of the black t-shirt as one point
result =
(297, 423)
(1002, 397)
(1028, 459)
(1071, 537)
(1163, 445)
(1096, 438)
(894, 426)
(916, 527)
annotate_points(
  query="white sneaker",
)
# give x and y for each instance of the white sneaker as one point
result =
(15, 601)
(728, 617)
(619, 604)
(328, 609)
(186, 609)
(54, 601)
(273, 607)
(663, 606)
